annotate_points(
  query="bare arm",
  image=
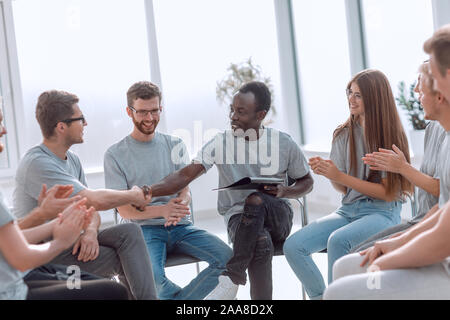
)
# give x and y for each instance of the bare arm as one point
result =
(178, 180)
(428, 247)
(371, 189)
(329, 170)
(301, 187)
(105, 199)
(395, 161)
(24, 256)
(169, 210)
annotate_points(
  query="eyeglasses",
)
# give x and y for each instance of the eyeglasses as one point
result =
(144, 113)
(70, 120)
(350, 93)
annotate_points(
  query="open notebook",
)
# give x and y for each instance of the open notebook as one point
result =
(255, 183)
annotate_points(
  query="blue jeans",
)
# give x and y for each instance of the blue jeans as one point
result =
(190, 240)
(338, 233)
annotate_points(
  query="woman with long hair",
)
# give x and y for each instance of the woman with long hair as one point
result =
(372, 200)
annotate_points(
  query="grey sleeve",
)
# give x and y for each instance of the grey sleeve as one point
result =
(40, 171)
(179, 154)
(298, 165)
(206, 156)
(338, 153)
(5, 215)
(114, 176)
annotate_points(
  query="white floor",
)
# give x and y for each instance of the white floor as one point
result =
(286, 286)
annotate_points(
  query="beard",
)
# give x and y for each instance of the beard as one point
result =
(146, 127)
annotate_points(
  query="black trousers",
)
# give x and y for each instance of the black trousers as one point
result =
(50, 282)
(266, 220)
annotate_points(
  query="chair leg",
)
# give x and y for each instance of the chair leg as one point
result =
(197, 267)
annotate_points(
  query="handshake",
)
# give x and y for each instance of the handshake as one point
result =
(143, 197)
(176, 209)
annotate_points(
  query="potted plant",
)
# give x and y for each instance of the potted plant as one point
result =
(409, 102)
(238, 74)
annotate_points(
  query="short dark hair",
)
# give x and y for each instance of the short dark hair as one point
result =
(261, 92)
(52, 107)
(439, 45)
(144, 90)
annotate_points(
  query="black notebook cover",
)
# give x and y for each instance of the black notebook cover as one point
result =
(255, 183)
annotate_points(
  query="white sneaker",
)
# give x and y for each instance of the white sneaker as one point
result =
(225, 290)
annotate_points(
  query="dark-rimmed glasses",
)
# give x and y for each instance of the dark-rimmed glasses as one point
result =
(144, 113)
(70, 120)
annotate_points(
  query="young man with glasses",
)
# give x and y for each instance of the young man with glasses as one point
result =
(118, 250)
(145, 157)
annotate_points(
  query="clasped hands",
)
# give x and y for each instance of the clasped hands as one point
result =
(325, 168)
(175, 210)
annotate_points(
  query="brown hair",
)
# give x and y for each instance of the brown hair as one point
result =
(52, 107)
(383, 127)
(143, 90)
(439, 45)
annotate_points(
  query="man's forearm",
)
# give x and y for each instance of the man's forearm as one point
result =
(421, 180)
(105, 199)
(150, 212)
(33, 219)
(424, 225)
(301, 187)
(177, 181)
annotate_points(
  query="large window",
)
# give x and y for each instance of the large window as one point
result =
(324, 68)
(95, 49)
(197, 42)
(395, 33)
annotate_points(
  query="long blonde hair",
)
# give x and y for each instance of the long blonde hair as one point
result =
(383, 127)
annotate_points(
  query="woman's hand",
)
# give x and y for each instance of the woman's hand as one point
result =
(386, 160)
(325, 168)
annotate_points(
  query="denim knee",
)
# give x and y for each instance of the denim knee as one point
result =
(293, 248)
(338, 242)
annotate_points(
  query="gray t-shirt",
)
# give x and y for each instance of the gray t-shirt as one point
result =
(38, 166)
(340, 155)
(12, 286)
(130, 162)
(444, 171)
(274, 154)
(434, 136)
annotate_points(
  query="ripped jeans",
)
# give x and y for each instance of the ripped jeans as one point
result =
(266, 220)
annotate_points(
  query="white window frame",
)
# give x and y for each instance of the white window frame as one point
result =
(11, 89)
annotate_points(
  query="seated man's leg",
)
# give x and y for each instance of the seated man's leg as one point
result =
(244, 231)
(205, 246)
(120, 253)
(278, 217)
(136, 268)
(381, 236)
(431, 282)
(156, 238)
(260, 268)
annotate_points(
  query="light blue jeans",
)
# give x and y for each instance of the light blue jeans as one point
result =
(190, 240)
(338, 232)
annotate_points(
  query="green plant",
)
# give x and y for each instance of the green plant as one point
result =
(409, 102)
(238, 74)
